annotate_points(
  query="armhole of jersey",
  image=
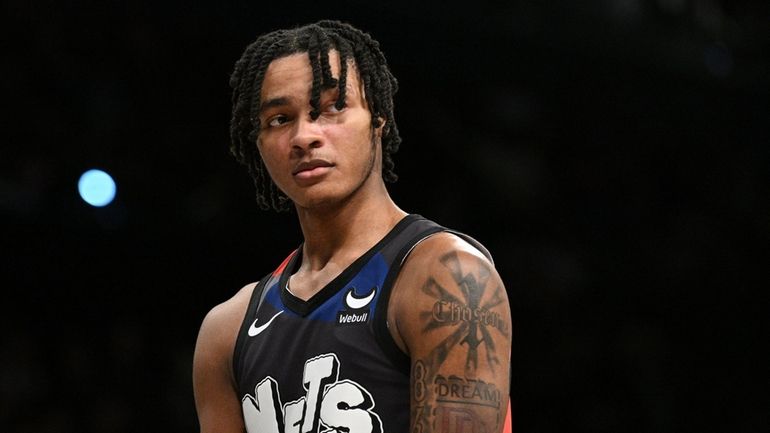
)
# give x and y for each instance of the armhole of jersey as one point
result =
(380, 323)
(381, 332)
(257, 295)
(476, 244)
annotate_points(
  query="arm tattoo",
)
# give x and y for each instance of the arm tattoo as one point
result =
(447, 403)
(469, 315)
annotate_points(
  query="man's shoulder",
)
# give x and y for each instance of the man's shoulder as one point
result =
(228, 315)
(443, 253)
(218, 333)
(238, 301)
(439, 246)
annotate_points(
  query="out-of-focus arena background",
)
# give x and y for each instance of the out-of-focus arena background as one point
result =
(613, 155)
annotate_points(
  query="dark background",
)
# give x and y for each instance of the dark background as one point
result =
(613, 156)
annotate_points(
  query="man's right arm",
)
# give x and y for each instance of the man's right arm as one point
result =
(216, 398)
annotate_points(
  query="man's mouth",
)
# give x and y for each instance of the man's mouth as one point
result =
(311, 168)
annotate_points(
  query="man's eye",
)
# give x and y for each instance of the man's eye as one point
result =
(332, 108)
(277, 121)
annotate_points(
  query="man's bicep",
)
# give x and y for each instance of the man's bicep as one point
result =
(459, 338)
(216, 401)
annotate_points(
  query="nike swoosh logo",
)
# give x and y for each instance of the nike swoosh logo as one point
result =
(356, 303)
(255, 330)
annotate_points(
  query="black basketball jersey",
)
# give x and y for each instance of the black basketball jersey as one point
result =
(328, 363)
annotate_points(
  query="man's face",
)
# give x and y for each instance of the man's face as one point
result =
(322, 161)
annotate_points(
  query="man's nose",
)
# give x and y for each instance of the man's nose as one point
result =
(307, 134)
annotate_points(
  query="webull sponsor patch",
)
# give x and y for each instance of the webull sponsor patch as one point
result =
(352, 318)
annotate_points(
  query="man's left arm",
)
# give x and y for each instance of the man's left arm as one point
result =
(453, 317)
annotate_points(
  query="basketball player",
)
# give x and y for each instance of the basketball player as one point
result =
(380, 321)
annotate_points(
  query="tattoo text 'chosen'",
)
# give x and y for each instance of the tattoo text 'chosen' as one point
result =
(453, 312)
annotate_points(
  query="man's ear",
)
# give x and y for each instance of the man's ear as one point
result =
(379, 126)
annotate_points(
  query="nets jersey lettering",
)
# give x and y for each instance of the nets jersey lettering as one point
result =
(329, 405)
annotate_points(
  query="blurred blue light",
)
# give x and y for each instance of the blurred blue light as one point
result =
(96, 188)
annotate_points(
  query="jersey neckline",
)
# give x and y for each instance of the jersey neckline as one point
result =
(303, 308)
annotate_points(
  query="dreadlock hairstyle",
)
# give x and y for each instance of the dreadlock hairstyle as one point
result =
(316, 40)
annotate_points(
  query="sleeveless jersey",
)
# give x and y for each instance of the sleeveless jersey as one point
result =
(329, 363)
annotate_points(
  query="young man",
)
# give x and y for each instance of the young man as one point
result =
(381, 321)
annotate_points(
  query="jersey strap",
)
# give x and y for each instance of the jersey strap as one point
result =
(257, 296)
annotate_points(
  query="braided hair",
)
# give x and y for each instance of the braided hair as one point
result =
(316, 40)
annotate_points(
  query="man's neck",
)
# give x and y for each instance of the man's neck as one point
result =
(346, 231)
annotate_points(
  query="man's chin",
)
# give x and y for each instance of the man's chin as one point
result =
(326, 202)
(318, 202)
